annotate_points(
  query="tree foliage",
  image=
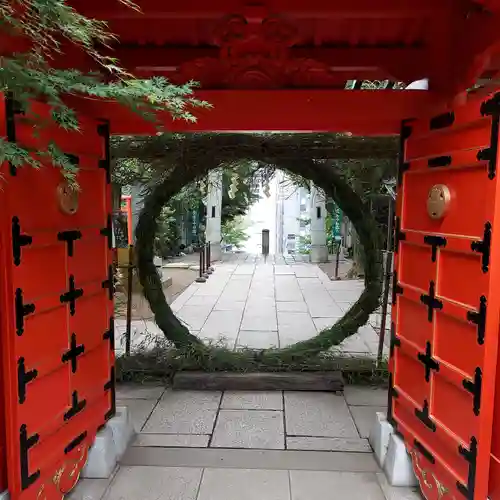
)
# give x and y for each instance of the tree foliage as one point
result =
(37, 32)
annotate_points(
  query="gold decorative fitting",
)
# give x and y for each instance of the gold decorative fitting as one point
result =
(438, 201)
(67, 197)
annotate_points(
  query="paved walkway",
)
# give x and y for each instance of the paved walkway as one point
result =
(249, 302)
(247, 446)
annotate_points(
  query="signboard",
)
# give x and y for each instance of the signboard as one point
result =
(336, 222)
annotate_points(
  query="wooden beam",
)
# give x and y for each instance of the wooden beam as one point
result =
(404, 63)
(362, 112)
(226, 381)
(323, 9)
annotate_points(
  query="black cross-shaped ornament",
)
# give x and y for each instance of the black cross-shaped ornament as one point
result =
(71, 295)
(430, 301)
(73, 353)
(429, 362)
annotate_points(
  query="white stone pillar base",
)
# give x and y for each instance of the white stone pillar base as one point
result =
(109, 446)
(390, 453)
(215, 252)
(319, 254)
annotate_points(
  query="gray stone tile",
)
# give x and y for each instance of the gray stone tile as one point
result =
(393, 493)
(89, 489)
(358, 445)
(296, 324)
(354, 344)
(324, 323)
(172, 440)
(155, 483)
(364, 417)
(223, 484)
(264, 320)
(262, 400)
(318, 414)
(292, 306)
(258, 302)
(140, 410)
(202, 300)
(229, 305)
(314, 485)
(250, 459)
(345, 295)
(255, 339)
(223, 322)
(194, 316)
(288, 293)
(138, 391)
(249, 429)
(319, 308)
(184, 412)
(359, 395)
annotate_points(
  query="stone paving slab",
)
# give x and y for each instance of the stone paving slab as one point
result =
(155, 483)
(364, 416)
(319, 415)
(257, 429)
(313, 485)
(172, 440)
(184, 412)
(242, 400)
(221, 484)
(140, 410)
(358, 445)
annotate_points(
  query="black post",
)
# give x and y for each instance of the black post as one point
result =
(337, 261)
(208, 267)
(128, 331)
(201, 278)
(387, 281)
(205, 273)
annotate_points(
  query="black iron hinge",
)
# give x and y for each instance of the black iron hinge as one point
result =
(491, 108)
(71, 295)
(23, 379)
(425, 452)
(22, 310)
(103, 131)
(395, 341)
(442, 121)
(73, 353)
(479, 319)
(471, 456)
(474, 387)
(483, 247)
(75, 442)
(435, 242)
(19, 240)
(428, 361)
(76, 406)
(69, 237)
(111, 387)
(397, 289)
(109, 283)
(25, 443)
(110, 334)
(108, 231)
(12, 108)
(399, 236)
(391, 394)
(431, 302)
(439, 161)
(424, 417)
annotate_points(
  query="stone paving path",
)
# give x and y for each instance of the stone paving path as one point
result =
(249, 302)
(247, 446)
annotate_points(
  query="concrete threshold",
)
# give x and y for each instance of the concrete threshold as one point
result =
(250, 459)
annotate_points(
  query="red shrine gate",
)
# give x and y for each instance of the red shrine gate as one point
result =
(275, 65)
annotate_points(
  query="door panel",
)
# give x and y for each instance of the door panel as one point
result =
(56, 308)
(447, 298)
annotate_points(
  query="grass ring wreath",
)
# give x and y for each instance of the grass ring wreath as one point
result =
(325, 177)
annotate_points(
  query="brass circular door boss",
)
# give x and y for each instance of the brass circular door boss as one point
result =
(438, 201)
(67, 197)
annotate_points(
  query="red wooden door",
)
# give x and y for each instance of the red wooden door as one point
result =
(56, 306)
(447, 298)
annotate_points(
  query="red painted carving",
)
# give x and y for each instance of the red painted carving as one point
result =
(256, 55)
